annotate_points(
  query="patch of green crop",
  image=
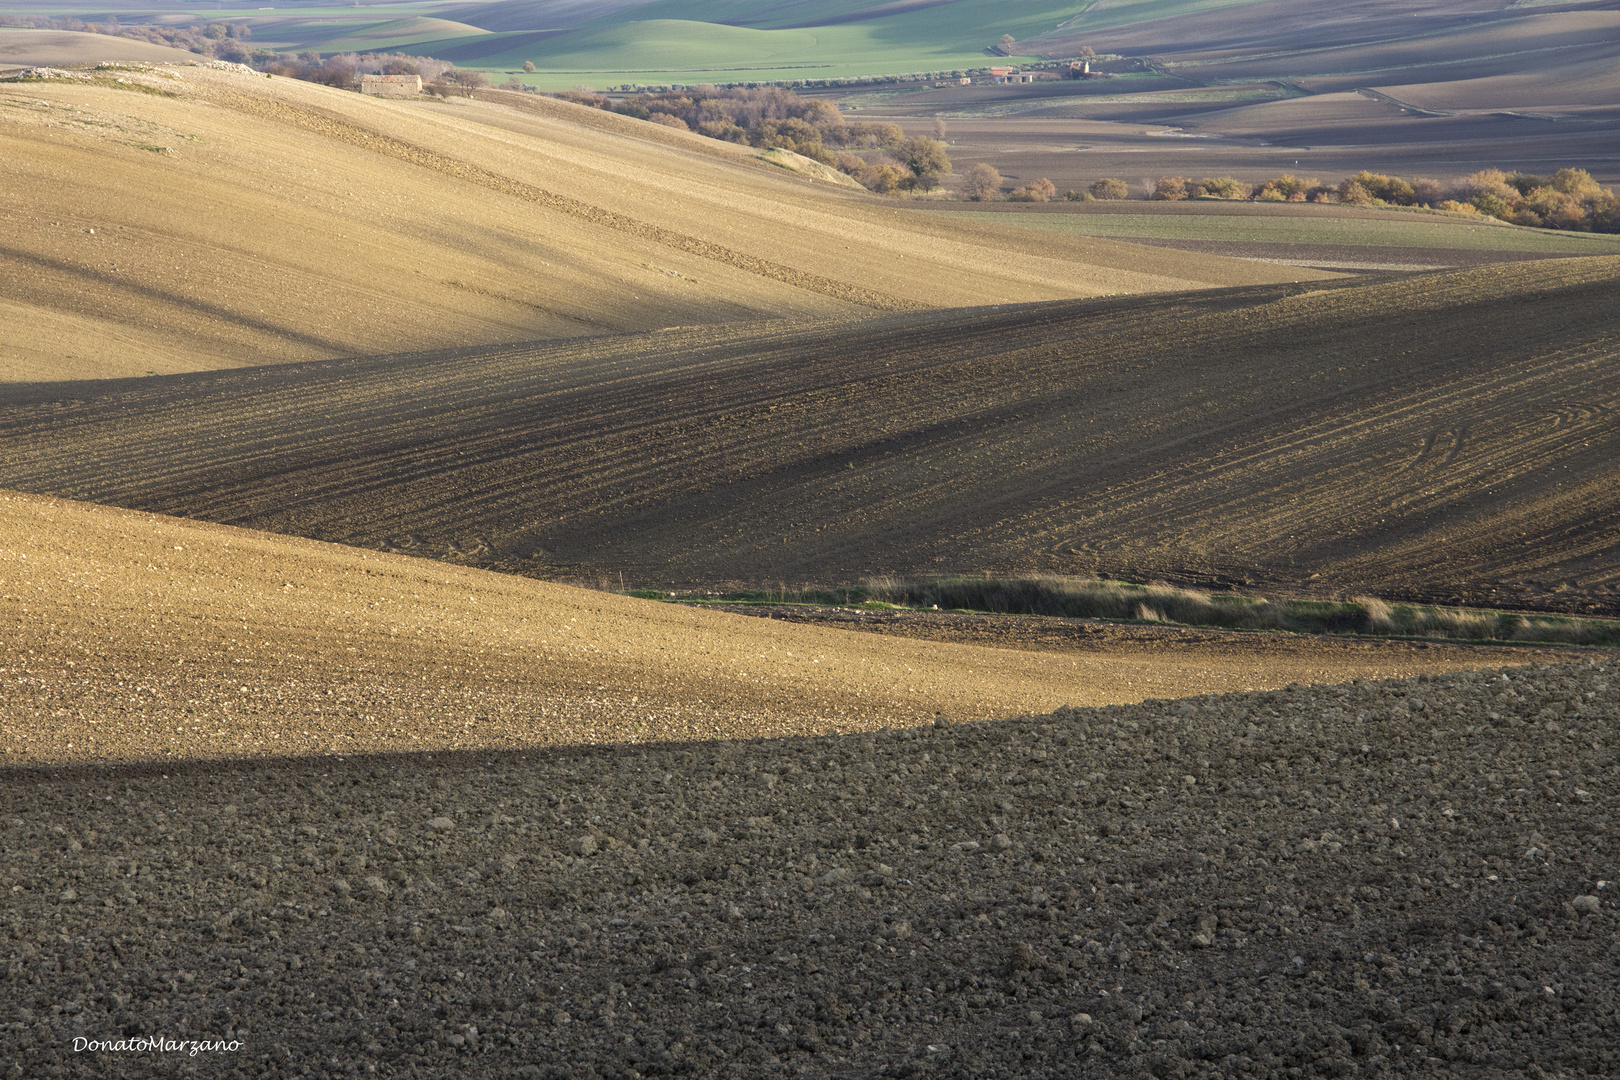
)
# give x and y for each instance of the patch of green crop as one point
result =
(1099, 16)
(741, 40)
(394, 35)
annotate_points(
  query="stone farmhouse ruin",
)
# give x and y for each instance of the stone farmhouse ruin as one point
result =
(391, 85)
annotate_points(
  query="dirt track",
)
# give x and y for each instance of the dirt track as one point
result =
(1446, 436)
(1386, 880)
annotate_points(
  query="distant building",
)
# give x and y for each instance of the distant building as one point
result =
(397, 86)
(1080, 69)
(1002, 74)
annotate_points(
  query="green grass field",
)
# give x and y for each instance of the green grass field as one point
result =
(1399, 230)
(394, 35)
(732, 41)
(692, 41)
(1099, 16)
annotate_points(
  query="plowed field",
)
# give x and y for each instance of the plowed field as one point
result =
(131, 637)
(1392, 879)
(1447, 436)
(341, 810)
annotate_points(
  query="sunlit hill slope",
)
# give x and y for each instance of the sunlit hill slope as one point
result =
(190, 218)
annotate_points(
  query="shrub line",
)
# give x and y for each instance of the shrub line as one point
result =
(1127, 602)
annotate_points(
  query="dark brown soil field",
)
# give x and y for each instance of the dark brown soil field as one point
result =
(1407, 879)
(1446, 436)
(1376, 879)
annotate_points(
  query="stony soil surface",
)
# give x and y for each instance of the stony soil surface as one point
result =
(1405, 878)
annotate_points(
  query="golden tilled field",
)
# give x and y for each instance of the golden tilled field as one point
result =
(133, 637)
(163, 219)
(1447, 436)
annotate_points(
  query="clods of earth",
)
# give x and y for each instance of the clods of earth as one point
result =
(1411, 878)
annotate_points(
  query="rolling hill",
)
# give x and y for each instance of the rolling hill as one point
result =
(739, 40)
(1252, 90)
(21, 48)
(1477, 57)
(390, 35)
(506, 15)
(1447, 436)
(135, 637)
(194, 218)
